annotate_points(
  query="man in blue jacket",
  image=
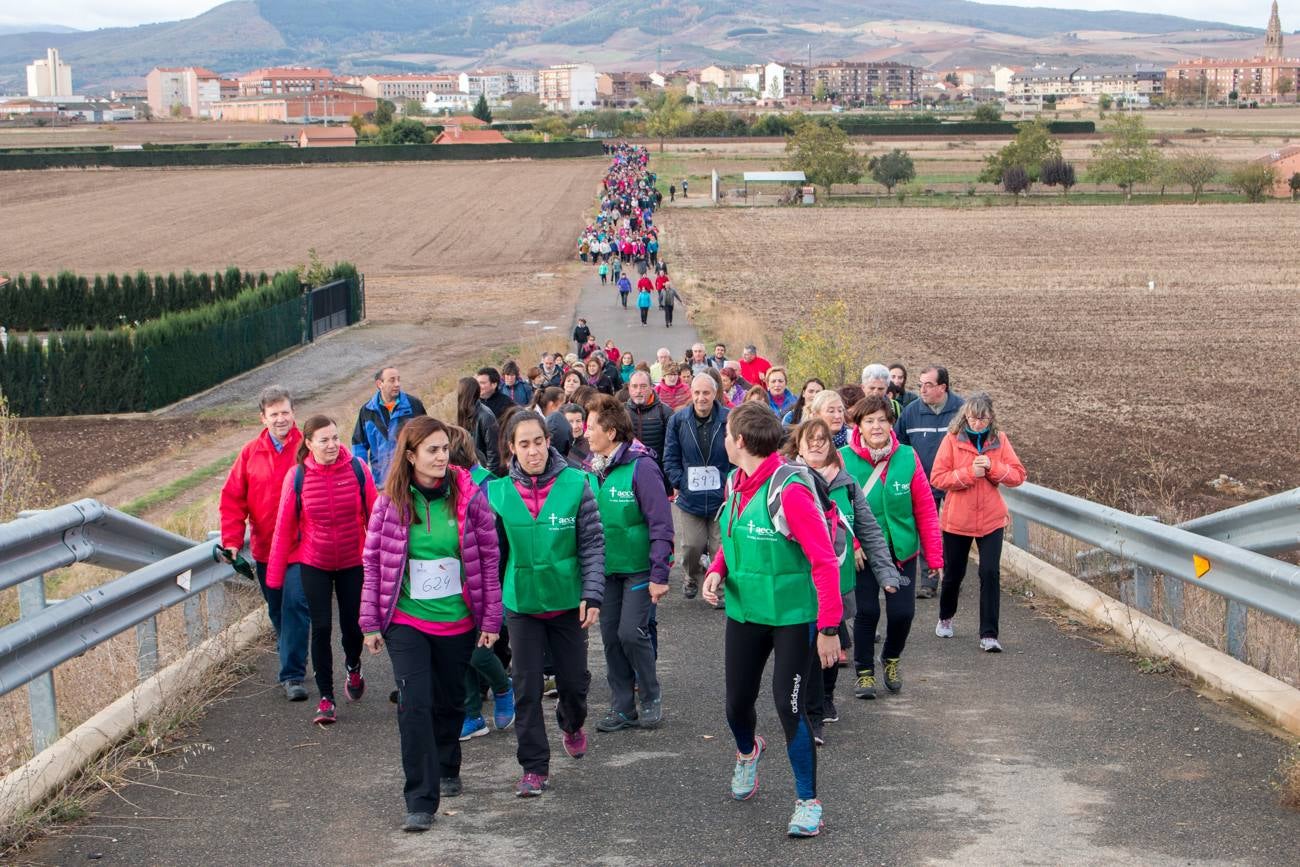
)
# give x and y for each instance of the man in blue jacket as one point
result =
(923, 425)
(695, 461)
(374, 439)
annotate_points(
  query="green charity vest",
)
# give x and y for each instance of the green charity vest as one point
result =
(848, 568)
(627, 535)
(890, 499)
(542, 572)
(479, 473)
(769, 578)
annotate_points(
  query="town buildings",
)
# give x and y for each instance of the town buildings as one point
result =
(400, 89)
(185, 91)
(49, 77)
(1088, 83)
(854, 83)
(567, 87)
(622, 88)
(494, 84)
(326, 106)
(281, 80)
(1269, 78)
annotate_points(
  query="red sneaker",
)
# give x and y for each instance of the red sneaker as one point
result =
(325, 713)
(575, 743)
(356, 685)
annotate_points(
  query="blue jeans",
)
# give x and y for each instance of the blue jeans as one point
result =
(287, 608)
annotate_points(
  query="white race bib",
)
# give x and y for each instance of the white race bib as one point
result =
(435, 579)
(703, 479)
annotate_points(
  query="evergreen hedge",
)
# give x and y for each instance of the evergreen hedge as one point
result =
(130, 369)
(33, 303)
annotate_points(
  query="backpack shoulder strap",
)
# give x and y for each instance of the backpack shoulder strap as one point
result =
(776, 484)
(299, 473)
(360, 473)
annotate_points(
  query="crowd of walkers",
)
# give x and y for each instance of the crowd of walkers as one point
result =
(479, 552)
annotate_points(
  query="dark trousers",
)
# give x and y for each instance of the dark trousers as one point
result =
(900, 609)
(748, 645)
(932, 583)
(645, 311)
(956, 553)
(622, 296)
(821, 681)
(320, 588)
(484, 667)
(430, 675)
(625, 631)
(291, 620)
(668, 315)
(567, 642)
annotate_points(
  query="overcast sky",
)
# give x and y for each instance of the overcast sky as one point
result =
(89, 14)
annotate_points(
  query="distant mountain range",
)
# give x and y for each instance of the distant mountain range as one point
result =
(396, 35)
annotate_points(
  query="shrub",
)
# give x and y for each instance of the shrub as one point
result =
(1253, 180)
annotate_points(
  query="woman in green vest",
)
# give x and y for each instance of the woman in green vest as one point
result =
(781, 574)
(811, 444)
(638, 524)
(894, 483)
(553, 581)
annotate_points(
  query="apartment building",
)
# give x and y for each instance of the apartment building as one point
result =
(400, 88)
(283, 80)
(567, 87)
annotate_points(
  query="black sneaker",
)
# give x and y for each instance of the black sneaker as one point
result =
(690, 589)
(616, 721)
(450, 787)
(893, 678)
(819, 735)
(866, 684)
(394, 696)
(830, 713)
(652, 714)
(417, 823)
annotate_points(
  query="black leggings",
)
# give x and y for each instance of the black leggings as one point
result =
(956, 553)
(900, 609)
(320, 586)
(645, 311)
(748, 645)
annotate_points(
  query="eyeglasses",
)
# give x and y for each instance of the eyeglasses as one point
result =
(816, 442)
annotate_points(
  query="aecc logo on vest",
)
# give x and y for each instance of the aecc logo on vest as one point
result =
(765, 533)
(558, 521)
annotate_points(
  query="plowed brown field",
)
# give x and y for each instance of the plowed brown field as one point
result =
(1106, 386)
(463, 218)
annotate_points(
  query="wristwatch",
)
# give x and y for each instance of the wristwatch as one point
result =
(830, 631)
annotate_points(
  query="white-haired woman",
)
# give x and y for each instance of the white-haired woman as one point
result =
(875, 380)
(828, 406)
(974, 461)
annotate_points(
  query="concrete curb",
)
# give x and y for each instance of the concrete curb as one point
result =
(33, 782)
(1276, 701)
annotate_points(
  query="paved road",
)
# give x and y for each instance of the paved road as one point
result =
(607, 319)
(1055, 752)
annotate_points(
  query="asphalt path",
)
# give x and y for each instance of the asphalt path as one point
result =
(607, 319)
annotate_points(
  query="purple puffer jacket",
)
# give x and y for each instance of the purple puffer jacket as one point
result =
(384, 558)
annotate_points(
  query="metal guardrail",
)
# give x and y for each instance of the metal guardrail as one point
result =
(168, 570)
(1267, 526)
(1246, 578)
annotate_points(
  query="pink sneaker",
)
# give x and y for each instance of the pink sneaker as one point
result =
(355, 686)
(530, 786)
(325, 713)
(575, 743)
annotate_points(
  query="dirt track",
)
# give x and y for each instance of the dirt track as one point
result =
(462, 218)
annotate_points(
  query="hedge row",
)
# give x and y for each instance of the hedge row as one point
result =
(275, 155)
(56, 303)
(163, 360)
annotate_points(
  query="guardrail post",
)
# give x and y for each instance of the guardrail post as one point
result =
(40, 691)
(146, 647)
(1020, 532)
(1235, 626)
(193, 620)
(216, 608)
(1142, 579)
(1173, 607)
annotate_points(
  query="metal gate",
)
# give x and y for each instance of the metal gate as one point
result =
(327, 308)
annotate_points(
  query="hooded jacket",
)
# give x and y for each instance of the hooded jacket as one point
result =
(385, 554)
(331, 530)
(974, 505)
(686, 446)
(651, 498)
(374, 439)
(591, 536)
(251, 494)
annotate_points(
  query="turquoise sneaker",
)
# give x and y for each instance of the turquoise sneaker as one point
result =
(473, 727)
(744, 780)
(807, 818)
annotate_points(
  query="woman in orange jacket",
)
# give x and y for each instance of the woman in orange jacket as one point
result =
(973, 461)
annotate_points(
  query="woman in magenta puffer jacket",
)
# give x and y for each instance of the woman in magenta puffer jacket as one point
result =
(321, 525)
(432, 593)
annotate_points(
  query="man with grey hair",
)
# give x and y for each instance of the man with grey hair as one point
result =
(650, 415)
(696, 464)
(250, 499)
(875, 380)
(662, 357)
(699, 361)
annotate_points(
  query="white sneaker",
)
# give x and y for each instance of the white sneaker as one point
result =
(990, 645)
(944, 629)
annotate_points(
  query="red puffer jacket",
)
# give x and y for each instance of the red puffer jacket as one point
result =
(331, 531)
(251, 495)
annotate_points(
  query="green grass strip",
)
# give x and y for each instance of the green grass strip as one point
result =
(172, 490)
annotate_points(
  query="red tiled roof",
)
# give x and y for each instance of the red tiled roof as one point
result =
(329, 133)
(456, 135)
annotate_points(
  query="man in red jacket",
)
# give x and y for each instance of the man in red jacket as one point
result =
(251, 497)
